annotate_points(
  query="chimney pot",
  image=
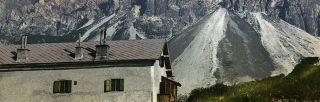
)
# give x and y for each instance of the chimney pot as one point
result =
(102, 52)
(102, 49)
(79, 50)
(79, 53)
(22, 53)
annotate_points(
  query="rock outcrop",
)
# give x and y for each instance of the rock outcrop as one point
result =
(45, 19)
(301, 13)
(60, 20)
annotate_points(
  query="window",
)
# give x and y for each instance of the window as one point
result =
(114, 85)
(63, 86)
(161, 62)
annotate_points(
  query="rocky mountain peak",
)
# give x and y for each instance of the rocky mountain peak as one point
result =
(61, 19)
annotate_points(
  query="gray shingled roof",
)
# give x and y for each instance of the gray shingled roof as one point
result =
(64, 52)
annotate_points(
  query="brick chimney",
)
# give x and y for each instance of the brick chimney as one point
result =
(22, 53)
(79, 50)
(102, 48)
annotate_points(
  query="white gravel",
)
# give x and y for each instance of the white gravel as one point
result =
(194, 68)
(286, 43)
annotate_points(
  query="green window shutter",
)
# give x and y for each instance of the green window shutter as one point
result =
(56, 87)
(68, 86)
(107, 85)
(121, 85)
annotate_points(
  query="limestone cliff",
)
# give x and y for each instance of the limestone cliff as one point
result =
(62, 20)
(303, 13)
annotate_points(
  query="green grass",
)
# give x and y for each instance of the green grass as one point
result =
(302, 84)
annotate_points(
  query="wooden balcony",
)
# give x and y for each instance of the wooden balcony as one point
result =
(168, 90)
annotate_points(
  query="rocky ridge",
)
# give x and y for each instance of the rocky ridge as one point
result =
(60, 20)
(304, 14)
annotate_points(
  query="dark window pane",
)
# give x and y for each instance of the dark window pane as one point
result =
(161, 61)
(117, 84)
(68, 84)
(113, 85)
(62, 86)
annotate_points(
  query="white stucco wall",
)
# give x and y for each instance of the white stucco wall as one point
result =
(156, 73)
(37, 86)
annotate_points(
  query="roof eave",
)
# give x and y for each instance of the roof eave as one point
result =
(76, 65)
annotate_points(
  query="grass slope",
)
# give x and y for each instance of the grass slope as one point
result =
(303, 84)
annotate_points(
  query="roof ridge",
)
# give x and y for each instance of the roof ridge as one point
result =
(85, 42)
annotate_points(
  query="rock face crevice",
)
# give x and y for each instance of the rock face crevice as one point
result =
(63, 18)
(155, 18)
(301, 13)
